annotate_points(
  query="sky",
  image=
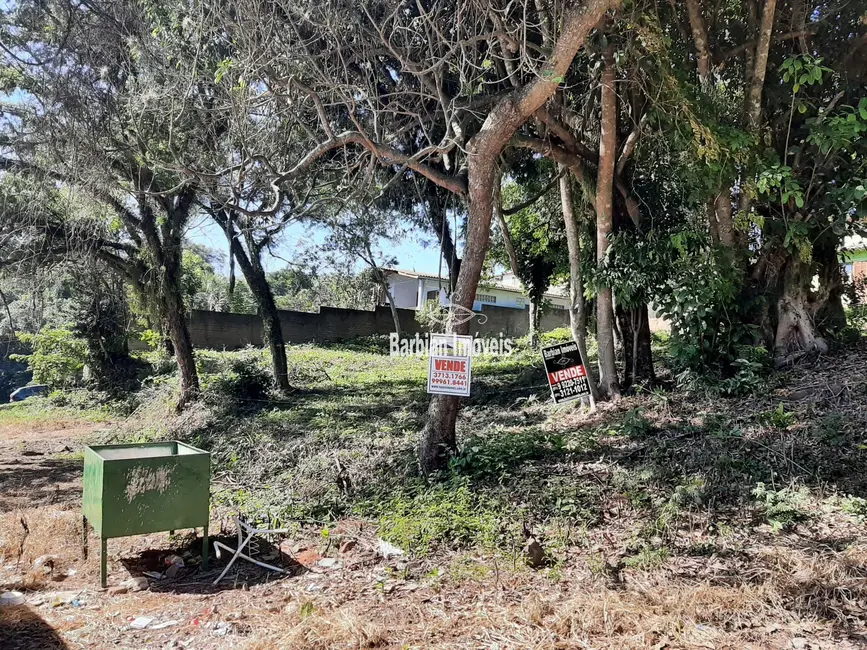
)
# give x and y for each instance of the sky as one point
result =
(419, 252)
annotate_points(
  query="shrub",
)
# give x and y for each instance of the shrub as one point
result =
(752, 367)
(782, 508)
(57, 357)
(238, 378)
(635, 424)
(448, 514)
(778, 418)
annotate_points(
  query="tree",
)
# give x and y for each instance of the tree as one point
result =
(577, 306)
(443, 108)
(77, 126)
(532, 238)
(775, 158)
(355, 232)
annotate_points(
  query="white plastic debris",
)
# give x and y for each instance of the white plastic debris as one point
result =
(141, 622)
(163, 625)
(10, 598)
(222, 629)
(388, 550)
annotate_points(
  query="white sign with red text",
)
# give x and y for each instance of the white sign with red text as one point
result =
(450, 364)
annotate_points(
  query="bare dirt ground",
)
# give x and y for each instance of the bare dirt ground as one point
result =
(803, 588)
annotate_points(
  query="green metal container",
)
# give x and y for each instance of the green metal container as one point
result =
(145, 488)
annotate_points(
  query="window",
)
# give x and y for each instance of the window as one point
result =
(433, 295)
(484, 297)
(554, 305)
(521, 302)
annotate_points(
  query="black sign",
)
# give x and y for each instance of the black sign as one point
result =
(566, 374)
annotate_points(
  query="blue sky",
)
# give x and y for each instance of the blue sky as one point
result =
(419, 252)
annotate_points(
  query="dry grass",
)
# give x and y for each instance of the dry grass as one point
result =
(26, 535)
(350, 628)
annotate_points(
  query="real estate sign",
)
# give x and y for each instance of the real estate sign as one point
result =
(450, 364)
(566, 374)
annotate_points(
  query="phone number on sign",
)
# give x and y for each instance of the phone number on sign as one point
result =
(448, 379)
(572, 387)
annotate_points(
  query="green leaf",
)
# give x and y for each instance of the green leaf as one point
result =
(799, 200)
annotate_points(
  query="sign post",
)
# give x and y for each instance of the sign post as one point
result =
(567, 376)
(450, 364)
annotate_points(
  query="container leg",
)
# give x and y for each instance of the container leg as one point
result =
(84, 537)
(205, 547)
(103, 558)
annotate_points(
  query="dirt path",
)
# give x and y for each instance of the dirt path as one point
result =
(40, 463)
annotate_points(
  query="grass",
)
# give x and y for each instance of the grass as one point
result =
(710, 509)
(39, 411)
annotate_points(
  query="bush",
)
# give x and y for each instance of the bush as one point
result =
(752, 368)
(710, 317)
(235, 377)
(447, 514)
(57, 358)
(782, 508)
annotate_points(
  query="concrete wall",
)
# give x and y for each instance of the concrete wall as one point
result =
(211, 329)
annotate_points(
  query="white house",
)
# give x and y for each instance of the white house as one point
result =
(412, 289)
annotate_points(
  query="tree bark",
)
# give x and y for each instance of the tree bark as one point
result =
(577, 308)
(173, 315)
(254, 274)
(757, 82)
(830, 316)
(272, 329)
(438, 436)
(535, 313)
(383, 283)
(796, 331)
(440, 224)
(533, 310)
(760, 67)
(609, 385)
(699, 37)
(722, 208)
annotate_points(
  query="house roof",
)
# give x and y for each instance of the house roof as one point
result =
(553, 292)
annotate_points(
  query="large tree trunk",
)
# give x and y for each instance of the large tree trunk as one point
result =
(438, 436)
(174, 318)
(637, 353)
(535, 311)
(254, 274)
(796, 332)
(604, 226)
(577, 308)
(830, 316)
(272, 329)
